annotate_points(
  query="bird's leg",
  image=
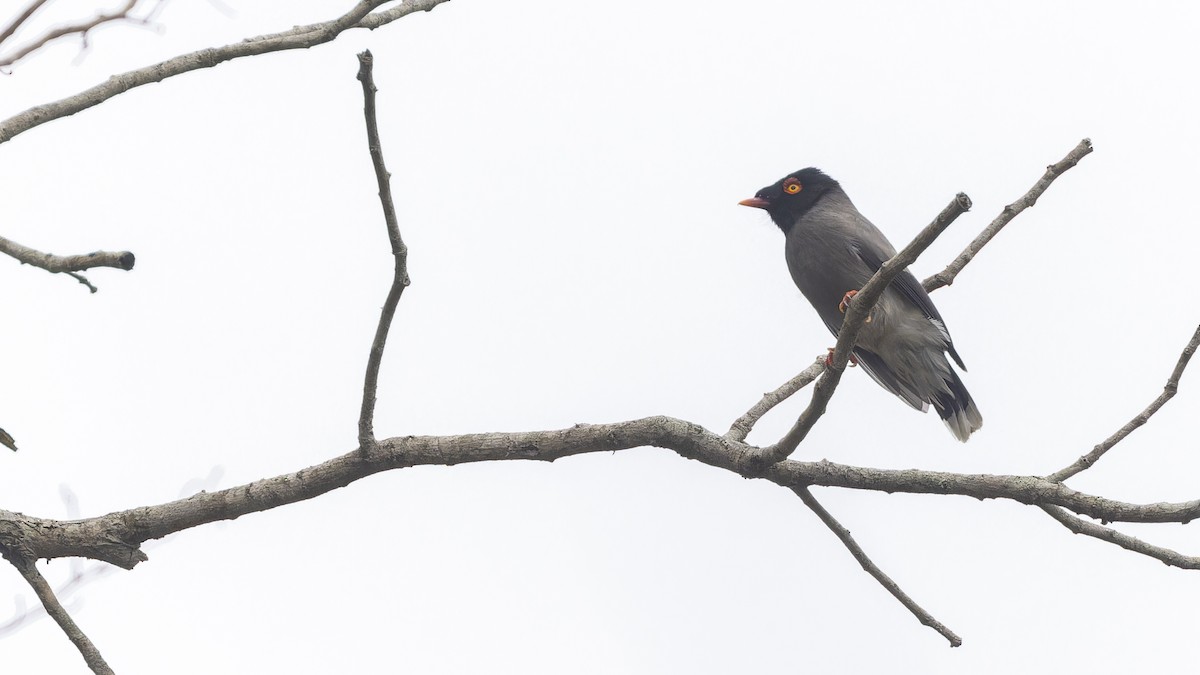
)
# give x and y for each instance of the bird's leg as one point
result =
(829, 359)
(846, 303)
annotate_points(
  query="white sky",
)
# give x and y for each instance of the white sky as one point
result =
(567, 176)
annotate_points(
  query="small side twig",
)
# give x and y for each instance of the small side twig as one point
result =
(1125, 541)
(29, 570)
(366, 430)
(743, 425)
(946, 276)
(7, 441)
(1168, 392)
(871, 568)
(855, 319)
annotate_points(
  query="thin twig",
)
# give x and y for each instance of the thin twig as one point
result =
(871, 568)
(1125, 541)
(946, 276)
(300, 37)
(82, 28)
(744, 424)
(400, 280)
(855, 319)
(21, 19)
(1168, 392)
(29, 570)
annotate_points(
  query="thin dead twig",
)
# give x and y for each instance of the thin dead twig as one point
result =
(744, 424)
(871, 568)
(29, 570)
(1169, 389)
(946, 276)
(400, 280)
(300, 37)
(1125, 541)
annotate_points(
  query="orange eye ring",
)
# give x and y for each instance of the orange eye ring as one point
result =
(791, 188)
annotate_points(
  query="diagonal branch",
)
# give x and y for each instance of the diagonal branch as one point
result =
(80, 28)
(300, 37)
(400, 280)
(1087, 461)
(1125, 541)
(871, 568)
(743, 425)
(28, 569)
(855, 319)
(21, 19)
(946, 276)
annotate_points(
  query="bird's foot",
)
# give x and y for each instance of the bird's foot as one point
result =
(829, 359)
(846, 303)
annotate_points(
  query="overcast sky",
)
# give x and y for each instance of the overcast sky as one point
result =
(567, 177)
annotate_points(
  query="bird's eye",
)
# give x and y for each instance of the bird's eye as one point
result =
(791, 187)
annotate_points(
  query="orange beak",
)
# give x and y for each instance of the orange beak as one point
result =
(756, 202)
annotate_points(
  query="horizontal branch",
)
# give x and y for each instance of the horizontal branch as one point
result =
(115, 538)
(122, 260)
(300, 37)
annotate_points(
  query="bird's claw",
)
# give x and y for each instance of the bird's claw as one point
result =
(846, 303)
(829, 359)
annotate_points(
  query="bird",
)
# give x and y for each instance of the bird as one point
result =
(831, 251)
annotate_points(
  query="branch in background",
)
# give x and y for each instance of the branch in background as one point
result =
(1125, 541)
(300, 37)
(871, 568)
(400, 280)
(80, 28)
(20, 20)
(855, 319)
(946, 276)
(742, 426)
(28, 569)
(1168, 392)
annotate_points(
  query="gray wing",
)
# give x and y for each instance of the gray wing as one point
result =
(913, 291)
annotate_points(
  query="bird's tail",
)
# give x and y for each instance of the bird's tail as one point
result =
(957, 409)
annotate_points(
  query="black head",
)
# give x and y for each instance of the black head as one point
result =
(792, 196)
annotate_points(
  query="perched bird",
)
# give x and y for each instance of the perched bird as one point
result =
(832, 250)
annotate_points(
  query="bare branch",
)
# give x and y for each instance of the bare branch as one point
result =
(69, 264)
(21, 19)
(400, 280)
(81, 28)
(7, 441)
(856, 317)
(301, 37)
(1168, 392)
(122, 260)
(744, 424)
(1125, 541)
(116, 538)
(871, 568)
(28, 569)
(946, 276)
